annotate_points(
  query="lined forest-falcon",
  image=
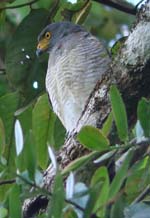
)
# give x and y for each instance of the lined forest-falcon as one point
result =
(77, 60)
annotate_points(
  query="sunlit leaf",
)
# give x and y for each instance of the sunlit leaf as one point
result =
(18, 137)
(93, 138)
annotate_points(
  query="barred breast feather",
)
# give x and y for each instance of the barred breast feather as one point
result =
(75, 64)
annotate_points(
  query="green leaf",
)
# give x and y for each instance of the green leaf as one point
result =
(22, 66)
(24, 115)
(8, 106)
(118, 208)
(139, 177)
(104, 157)
(14, 202)
(57, 200)
(4, 86)
(27, 159)
(41, 121)
(93, 138)
(2, 136)
(120, 176)
(91, 202)
(3, 212)
(107, 125)
(20, 13)
(143, 112)
(119, 113)
(76, 164)
(101, 176)
(59, 134)
(30, 154)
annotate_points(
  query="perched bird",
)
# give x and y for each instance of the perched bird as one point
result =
(77, 60)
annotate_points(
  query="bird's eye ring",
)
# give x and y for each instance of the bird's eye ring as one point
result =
(47, 35)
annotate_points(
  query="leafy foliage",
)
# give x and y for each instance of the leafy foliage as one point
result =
(119, 113)
(23, 100)
(93, 138)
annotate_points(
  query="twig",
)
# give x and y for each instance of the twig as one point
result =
(142, 195)
(138, 4)
(118, 6)
(19, 6)
(6, 182)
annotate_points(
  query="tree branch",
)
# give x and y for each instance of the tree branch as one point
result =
(119, 7)
(19, 6)
(6, 182)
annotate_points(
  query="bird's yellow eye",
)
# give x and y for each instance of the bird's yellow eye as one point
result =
(47, 35)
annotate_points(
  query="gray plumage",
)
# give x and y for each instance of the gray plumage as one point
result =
(77, 61)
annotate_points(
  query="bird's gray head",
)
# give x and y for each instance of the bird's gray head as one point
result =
(53, 33)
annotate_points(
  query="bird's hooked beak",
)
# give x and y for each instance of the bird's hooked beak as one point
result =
(42, 46)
